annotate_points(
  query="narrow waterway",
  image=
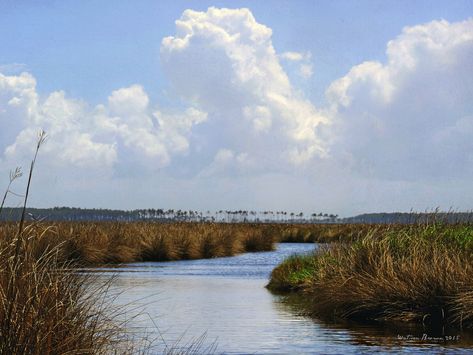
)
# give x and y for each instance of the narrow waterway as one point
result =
(222, 303)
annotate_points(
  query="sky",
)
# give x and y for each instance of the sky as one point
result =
(341, 107)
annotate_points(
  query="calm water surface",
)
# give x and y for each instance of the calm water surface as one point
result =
(222, 302)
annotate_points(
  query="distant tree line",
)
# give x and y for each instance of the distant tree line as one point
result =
(163, 215)
(226, 216)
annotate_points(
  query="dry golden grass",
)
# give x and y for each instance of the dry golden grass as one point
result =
(95, 243)
(45, 308)
(324, 232)
(421, 273)
(119, 242)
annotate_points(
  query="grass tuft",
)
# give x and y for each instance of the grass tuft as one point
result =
(419, 273)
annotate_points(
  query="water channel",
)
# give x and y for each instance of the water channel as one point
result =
(222, 305)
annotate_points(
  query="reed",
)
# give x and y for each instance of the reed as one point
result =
(45, 307)
(120, 242)
(95, 243)
(324, 232)
(421, 273)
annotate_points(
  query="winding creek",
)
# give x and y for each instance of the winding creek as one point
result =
(223, 303)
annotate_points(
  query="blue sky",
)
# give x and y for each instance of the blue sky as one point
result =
(294, 129)
(69, 44)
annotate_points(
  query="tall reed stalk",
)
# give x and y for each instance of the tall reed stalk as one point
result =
(45, 307)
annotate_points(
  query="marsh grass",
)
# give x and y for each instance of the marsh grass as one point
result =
(44, 307)
(293, 274)
(323, 232)
(421, 273)
(99, 243)
(96, 243)
(47, 309)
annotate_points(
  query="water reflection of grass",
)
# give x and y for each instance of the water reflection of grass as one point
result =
(395, 335)
(421, 273)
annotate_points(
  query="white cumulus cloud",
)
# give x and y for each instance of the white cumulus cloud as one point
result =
(411, 117)
(126, 128)
(23, 113)
(223, 61)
